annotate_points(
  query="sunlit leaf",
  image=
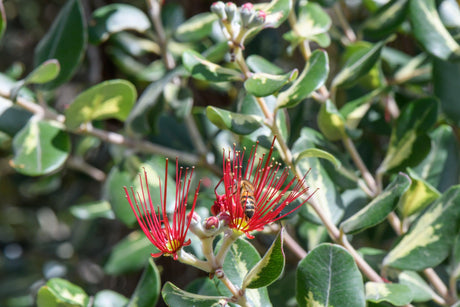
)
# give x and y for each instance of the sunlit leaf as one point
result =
(235, 122)
(196, 28)
(331, 122)
(396, 294)
(318, 153)
(60, 292)
(109, 298)
(202, 69)
(45, 72)
(92, 210)
(173, 296)
(386, 20)
(262, 84)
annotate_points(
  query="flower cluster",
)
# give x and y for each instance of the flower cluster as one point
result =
(256, 194)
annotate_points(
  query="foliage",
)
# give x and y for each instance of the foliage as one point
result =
(358, 99)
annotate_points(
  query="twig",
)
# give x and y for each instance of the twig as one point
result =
(349, 33)
(79, 164)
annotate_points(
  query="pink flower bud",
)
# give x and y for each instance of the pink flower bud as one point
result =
(248, 6)
(211, 222)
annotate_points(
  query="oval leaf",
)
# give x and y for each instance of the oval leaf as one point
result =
(430, 32)
(60, 292)
(396, 294)
(93, 210)
(359, 64)
(262, 84)
(386, 20)
(269, 268)
(378, 209)
(109, 298)
(114, 18)
(113, 187)
(65, 42)
(173, 296)
(147, 291)
(40, 148)
(312, 77)
(46, 72)
(429, 241)
(331, 122)
(196, 28)
(318, 153)
(109, 99)
(419, 288)
(445, 75)
(259, 64)
(202, 69)
(235, 122)
(325, 277)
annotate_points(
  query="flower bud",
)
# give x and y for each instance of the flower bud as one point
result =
(224, 217)
(211, 222)
(230, 10)
(247, 14)
(258, 20)
(218, 8)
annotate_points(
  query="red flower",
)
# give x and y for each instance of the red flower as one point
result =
(257, 196)
(166, 234)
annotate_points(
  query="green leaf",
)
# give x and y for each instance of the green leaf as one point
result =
(138, 119)
(93, 210)
(430, 32)
(419, 288)
(60, 292)
(40, 148)
(318, 178)
(130, 254)
(65, 42)
(202, 69)
(446, 88)
(235, 122)
(325, 277)
(318, 153)
(109, 298)
(259, 64)
(45, 72)
(109, 99)
(269, 268)
(147, 291)
(455, 260)
(378, 209)
(359, 64)
(262, 84)
(240, 259)
(113, 192)
(277, 12)
(428, 242)
(409, 143)
(396, 294)
(441, 166)
(3, 20)
(173, 296)
(331, 122)
(387, 19)
(419, 195)
(312, 77)
(114, 18)
(12, 117)
(312, 19)
(196, 28)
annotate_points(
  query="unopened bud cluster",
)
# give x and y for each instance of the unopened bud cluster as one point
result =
(236, 22)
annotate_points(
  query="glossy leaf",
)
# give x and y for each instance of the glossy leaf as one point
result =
(318, 178)
(446, 89)
(331, 122)
(196, 28)
(396, 294)
(312, 19)
(130, 254)
(455, 260)
(441, 166)
(114, 18)
(419, 195)
(12, 117)
(45, 72)
(359, 64)
(109, 99)
(240, 259)
(138, 120)
(386, 20)
(60, 292)
(409, 143)
(430, 32)
(428, 242)
(325, 277)
(259, 64)
(113, 192)
(40, 148)
(109, 298)
(318, 153)
(379, 208)
(262, 84)
(312, 77)
(65, 42)
(269, 268)
(147, 291)
(92, 210)
(202, 69)
(419, 288)
(235, 122)
(173, 296)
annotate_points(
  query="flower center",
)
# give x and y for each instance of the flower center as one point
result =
(173, 245)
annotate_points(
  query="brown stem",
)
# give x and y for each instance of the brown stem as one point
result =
(349, 33)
